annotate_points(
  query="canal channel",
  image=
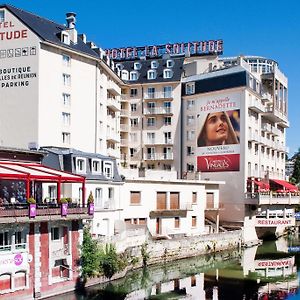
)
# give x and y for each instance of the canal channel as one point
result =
(268, 271)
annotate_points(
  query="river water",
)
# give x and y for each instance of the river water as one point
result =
(269, 271)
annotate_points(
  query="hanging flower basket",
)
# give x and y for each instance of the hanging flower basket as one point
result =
(31, 207)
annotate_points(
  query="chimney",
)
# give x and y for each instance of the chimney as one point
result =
(71, 20)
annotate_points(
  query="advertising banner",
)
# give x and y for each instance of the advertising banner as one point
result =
(218, 134)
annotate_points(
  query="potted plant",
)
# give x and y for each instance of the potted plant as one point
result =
(31, 207)
(91, 206)
(63, 206)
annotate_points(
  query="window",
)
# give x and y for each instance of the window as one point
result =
(194, 221)
(151, 137)
(177, 222)
(132, 151)
(190, 120)
(151, 93)
(96, 166)
(168, 92)
(174, 200)
(168, 73)
(135, 198)
(189, 150)
(98, 197)
(2, 15)
(133, 137)
(124, 75)
(134, 122)
(52, 192)
(154, 64)
(194, 198)
(137, 65)
(151, 122)
(190, 135)
(167, 106)
(80, 164)
(108, 170)
(20, 240)
(190, 167)
(151, 74)
(66, 138)
(66, 60)
(133, 107)
(5, 241)
(66, 99)
(66, 118)
(168, 137)
(133, 75)
(20, 279)
(55, 233)
(170, 63)
(65, 38)
(190, 88)
(190, 104)
(151, 107)
(167, 120)
(133, 92)
(67, 79)
(110, 193)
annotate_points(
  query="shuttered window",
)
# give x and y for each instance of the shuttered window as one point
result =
(194, 221)
(209, 200)
(174, 200)
(177, 222)
(135, 197)
(194, 200)
(161, 200)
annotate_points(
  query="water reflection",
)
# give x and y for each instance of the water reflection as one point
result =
(263, 272)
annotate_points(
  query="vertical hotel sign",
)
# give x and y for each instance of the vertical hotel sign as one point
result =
(17, 53)
(218, 133)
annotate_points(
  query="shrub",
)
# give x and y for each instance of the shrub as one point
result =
(90, 198)
(31, 200)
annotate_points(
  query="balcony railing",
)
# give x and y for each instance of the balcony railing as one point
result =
(158, 111)
(158, 156)
(20, 212)
(113, 104)
(158, 95)
(270, 198)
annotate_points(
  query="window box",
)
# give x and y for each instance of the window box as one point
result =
(32, 210)
(64, 209)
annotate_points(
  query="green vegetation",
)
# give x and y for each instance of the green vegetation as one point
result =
(145, 254)
(98, 259)
(31, 200)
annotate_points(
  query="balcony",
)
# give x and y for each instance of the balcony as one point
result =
(19, 213)
(254, 137)
(124, 113)
(267, 97)
(113, 152)
(276, 116)
(113, 88)
(269, 198)
(158, 156)
(168, 212)
(158, 95)
(112, 137)
(256, 105)
(124, 142)
(113, 104)
(159, 142)
(158, 111)
(266, 127)
(124, 127)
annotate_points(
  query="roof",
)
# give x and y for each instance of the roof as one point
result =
(286, 185)
(35, 171)
(48, 30)
(146, 65)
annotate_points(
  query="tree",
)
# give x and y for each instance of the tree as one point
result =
(296, 172)
(109, 261)
(89, 255)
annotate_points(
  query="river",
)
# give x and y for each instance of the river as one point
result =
(265, 272)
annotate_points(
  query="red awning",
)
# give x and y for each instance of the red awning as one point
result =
(262, 185)
(286, 185)
(34, 171)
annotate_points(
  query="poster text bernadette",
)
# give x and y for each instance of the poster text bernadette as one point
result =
(218, 104)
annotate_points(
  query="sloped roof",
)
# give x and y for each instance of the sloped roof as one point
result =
(48, 30)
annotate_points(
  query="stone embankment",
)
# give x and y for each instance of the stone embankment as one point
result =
(163, 251)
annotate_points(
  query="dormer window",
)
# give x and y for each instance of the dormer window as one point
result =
(190, 88)
(137, 65)
(151, 74)
(80, 165)
(168, 73)
(2, 15)
(133, 75)
(65, 38)
(96, 166)
(154, 64)
(170, 63)
(120, 66)
(108, 170)
(124, 75)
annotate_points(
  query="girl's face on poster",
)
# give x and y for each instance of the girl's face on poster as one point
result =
(216, 129)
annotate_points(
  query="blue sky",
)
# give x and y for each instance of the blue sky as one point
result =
(265, 28)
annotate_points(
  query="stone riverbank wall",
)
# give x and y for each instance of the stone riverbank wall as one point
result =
(163, 251)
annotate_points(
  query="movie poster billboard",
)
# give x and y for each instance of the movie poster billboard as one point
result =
(218, 133)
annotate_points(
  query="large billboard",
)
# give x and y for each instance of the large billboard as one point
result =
(218, 133)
